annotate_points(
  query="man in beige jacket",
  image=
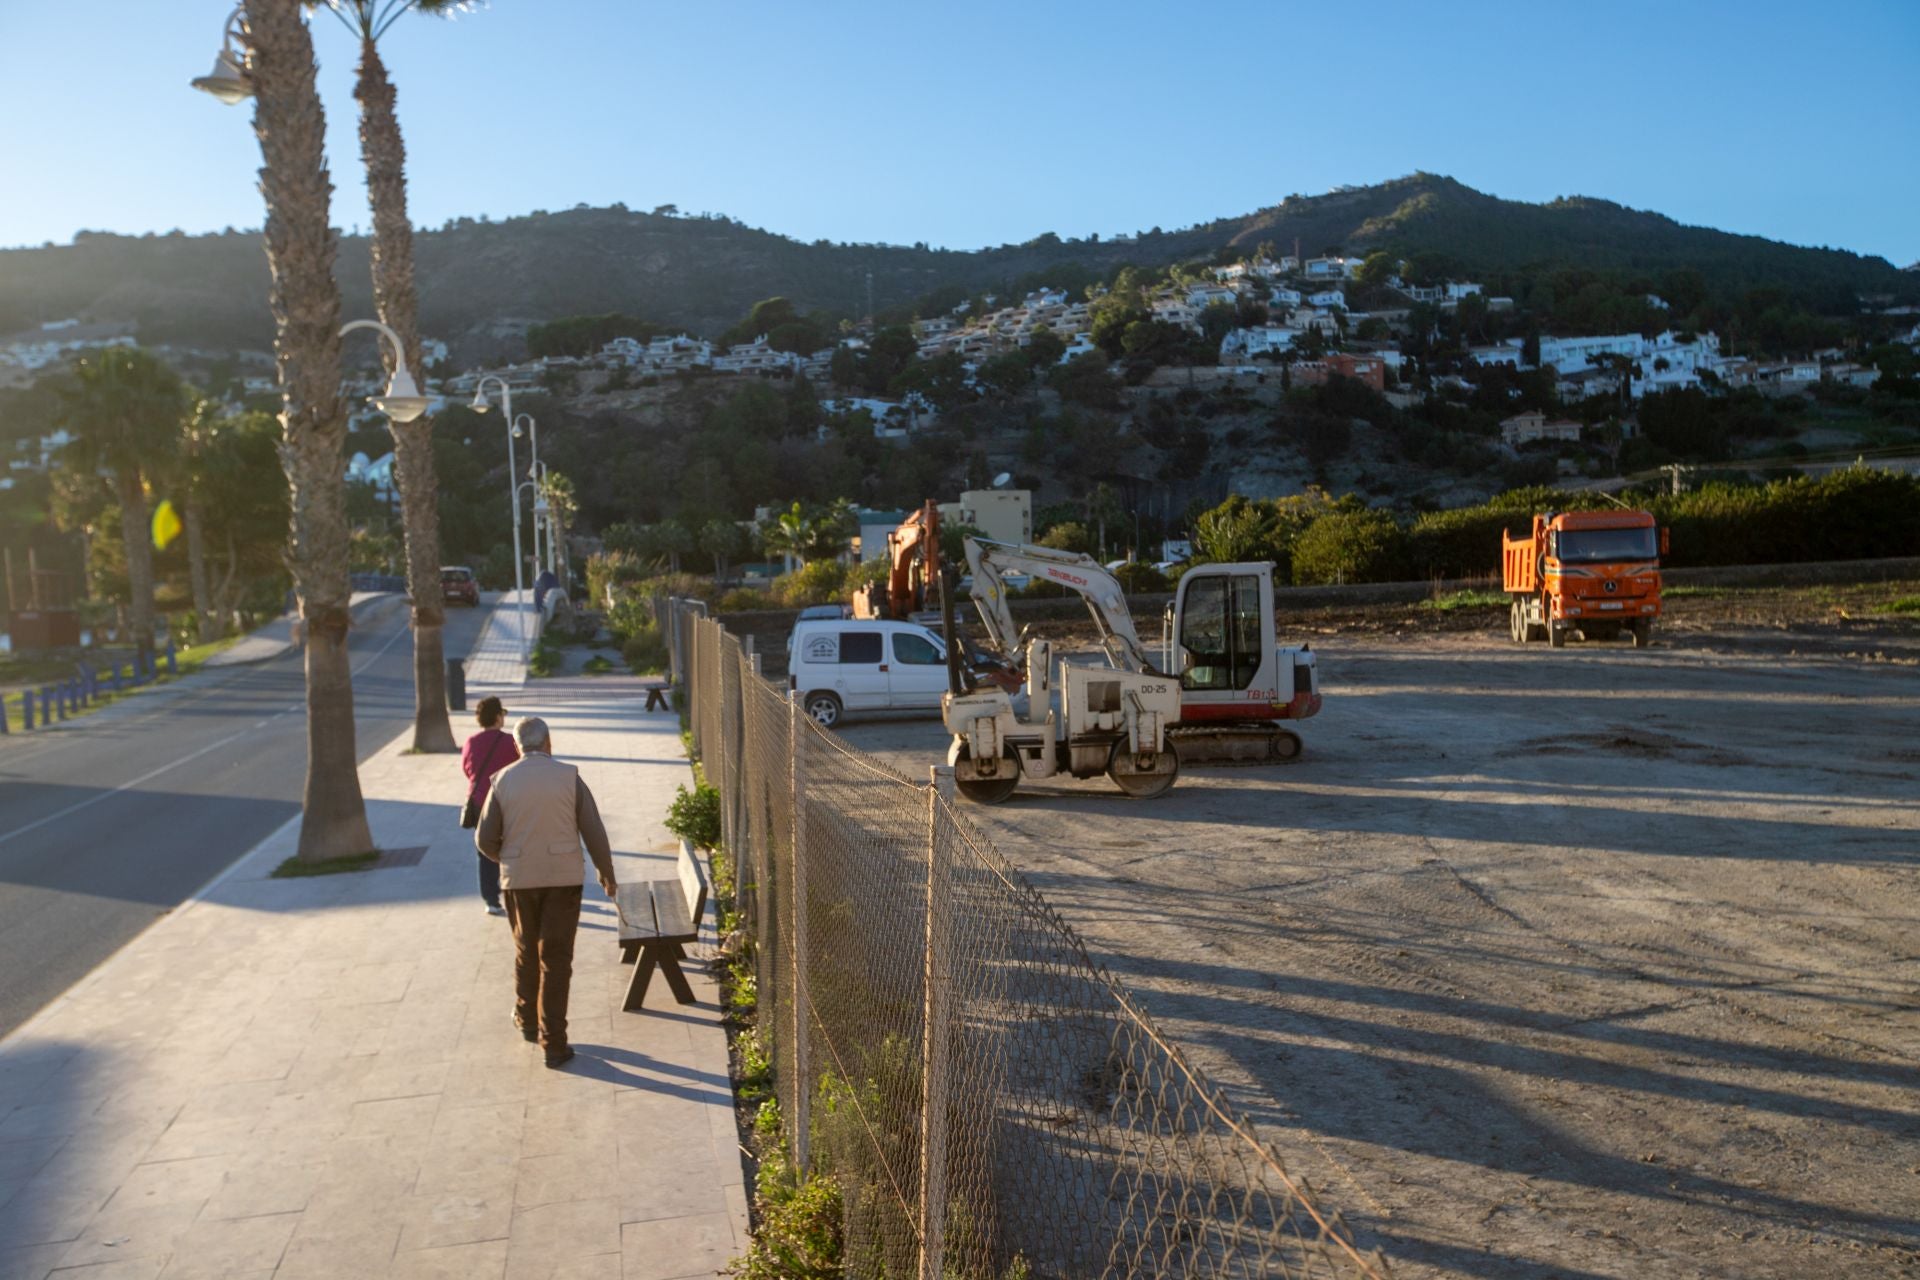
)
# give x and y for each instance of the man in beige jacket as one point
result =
(536, 817)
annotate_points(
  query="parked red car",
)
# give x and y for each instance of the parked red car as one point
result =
(459, 586)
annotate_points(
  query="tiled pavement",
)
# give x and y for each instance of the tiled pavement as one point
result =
(318, 1077)
(495, 665)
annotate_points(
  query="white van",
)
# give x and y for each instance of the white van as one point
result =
(839, 665)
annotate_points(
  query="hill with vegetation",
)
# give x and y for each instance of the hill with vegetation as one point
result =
(483, 283)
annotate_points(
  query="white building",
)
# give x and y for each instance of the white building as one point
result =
(1205, 295)
(1331, 268)
(1248, 344)
(1525, 428)
(755, 357)
(1329, 298)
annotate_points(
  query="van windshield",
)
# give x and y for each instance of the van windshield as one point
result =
(1595, 545)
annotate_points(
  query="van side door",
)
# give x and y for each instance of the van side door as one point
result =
(860, 677)
(917, 675)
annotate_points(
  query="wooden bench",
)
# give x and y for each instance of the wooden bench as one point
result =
(656, 695)
(657, 919)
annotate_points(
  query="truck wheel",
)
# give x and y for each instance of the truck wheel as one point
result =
(1642, 632)
(1517, 623)
(824, 707)
(1556, 635)
(989, 790)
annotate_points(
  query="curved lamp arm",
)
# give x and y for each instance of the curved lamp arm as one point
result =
(403, 401)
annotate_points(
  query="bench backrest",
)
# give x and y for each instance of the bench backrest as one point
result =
(693, 883)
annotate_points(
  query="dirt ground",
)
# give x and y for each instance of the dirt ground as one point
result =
(1578, 963)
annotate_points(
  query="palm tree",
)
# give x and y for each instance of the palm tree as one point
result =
(125, 411)
(385, 155)
(291, 127)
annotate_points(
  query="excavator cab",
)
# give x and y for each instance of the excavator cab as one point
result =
(1236, 682)
(1224, 626)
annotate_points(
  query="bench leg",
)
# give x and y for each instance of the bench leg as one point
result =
(637, 985)
(670, 967)
(629, 952)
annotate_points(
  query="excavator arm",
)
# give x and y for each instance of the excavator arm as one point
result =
(990, 562)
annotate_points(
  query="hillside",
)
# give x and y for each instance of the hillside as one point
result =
(481, 283)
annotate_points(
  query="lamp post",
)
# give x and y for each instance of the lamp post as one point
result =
(402, 400)
(228, 81)
(480, 405)
(533, 473)
(543, 519)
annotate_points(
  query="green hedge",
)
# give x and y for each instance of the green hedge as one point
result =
(1844, 515)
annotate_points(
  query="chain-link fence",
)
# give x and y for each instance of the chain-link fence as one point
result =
(990, 1101)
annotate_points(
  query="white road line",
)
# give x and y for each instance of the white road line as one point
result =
(150, 775)
(125, 786)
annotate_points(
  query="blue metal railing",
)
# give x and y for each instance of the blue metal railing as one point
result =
(88, 687)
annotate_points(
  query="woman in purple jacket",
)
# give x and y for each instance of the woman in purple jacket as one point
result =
(487, 753)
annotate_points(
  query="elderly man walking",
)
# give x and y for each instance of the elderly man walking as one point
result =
(535, 820)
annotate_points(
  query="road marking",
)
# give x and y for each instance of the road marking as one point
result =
(151, 774)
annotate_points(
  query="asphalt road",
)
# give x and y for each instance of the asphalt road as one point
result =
(111, 821)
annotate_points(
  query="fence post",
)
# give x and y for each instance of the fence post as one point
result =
(26, 709)
(50, 700)
(802, 1079)
(933, 1048)
(737, 804)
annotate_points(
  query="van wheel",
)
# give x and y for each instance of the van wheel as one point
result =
(824, 707)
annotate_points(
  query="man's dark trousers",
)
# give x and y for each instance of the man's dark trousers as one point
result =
(544, 922)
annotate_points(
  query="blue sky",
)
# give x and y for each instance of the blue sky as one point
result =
(979, 123)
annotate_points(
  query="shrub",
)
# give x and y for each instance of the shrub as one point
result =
(822, 582)
(1351, 546)
(545, 659)
(694, 816)
(1136, 578)
(645, 652)
(743, 600)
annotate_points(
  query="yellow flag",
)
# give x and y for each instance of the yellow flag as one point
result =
(166, 524)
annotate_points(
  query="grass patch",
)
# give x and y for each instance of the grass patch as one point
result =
(1468, 599)
(1697, 593)
(598, 665)
(1905, 604)
(296, 869)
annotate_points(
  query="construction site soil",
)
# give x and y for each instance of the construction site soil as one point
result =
(1591, 962)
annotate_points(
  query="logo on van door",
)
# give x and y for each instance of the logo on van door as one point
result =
(821, 648)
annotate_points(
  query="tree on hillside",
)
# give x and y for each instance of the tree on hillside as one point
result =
(726, 542)
(126, 410)
(385, 155)
(291, 127)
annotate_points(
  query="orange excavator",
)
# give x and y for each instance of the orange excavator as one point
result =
(913, 563)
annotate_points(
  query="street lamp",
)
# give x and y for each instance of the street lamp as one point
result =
(228, 81)
(480, 405)
(402, 401)
(532, 429)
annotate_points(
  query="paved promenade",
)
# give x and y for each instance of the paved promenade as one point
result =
(319, 1077)
(495, 664)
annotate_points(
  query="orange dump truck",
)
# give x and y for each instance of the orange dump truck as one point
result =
(1595, 572)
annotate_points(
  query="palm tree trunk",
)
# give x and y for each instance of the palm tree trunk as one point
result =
(385, 154)
(131, 491)
(306, 312)
(197, 574)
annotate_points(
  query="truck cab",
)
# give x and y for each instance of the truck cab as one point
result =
(1595, 572)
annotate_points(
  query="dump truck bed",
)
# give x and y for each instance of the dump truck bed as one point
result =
(1519, 564)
